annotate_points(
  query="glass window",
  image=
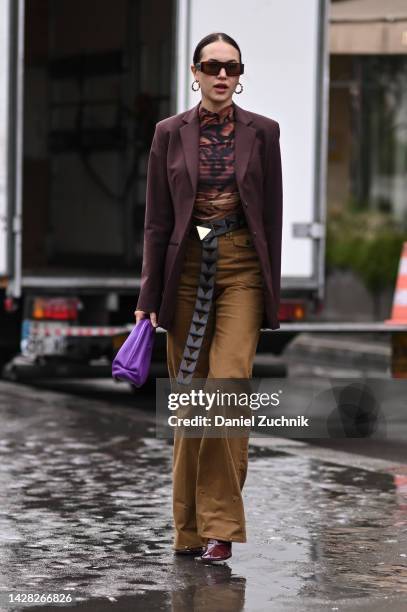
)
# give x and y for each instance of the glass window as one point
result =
(368, 133)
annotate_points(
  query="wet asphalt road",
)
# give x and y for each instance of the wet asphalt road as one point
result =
(86, 509)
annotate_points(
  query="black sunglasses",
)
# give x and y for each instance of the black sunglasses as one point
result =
(213, 68)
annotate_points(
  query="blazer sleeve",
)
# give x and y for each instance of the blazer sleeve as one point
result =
(158, 224)
(273, 211)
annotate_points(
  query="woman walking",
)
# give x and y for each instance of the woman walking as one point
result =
(211, 275)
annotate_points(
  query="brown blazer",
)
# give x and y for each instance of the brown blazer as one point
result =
(172, 179)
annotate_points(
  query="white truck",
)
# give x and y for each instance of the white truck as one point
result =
(80, 93)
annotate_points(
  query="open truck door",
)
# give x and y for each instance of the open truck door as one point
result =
(72, 182)
(4, 111)
(10, 174)
(11, 142)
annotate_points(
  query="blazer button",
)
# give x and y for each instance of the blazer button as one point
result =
(245, 203)
(254, 234)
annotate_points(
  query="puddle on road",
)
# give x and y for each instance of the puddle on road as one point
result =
(86, 505)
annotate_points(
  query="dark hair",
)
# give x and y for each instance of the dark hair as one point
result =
(210, 38)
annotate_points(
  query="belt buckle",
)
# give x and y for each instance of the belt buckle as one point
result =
(203, 231)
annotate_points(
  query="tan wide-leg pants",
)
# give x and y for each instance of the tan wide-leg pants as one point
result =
(209, 473)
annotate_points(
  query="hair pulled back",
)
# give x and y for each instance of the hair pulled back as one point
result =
(213, 37)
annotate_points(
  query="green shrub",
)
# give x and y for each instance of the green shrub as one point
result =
(367, 242)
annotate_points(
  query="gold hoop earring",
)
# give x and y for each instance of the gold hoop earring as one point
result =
(241, 88)
(193, 88)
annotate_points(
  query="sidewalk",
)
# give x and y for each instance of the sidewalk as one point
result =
(374, 350)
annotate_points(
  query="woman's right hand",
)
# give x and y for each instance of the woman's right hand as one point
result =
(140, 314)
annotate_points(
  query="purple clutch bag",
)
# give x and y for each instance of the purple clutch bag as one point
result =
(132, 361)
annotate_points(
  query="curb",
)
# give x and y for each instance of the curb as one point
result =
(350, 349)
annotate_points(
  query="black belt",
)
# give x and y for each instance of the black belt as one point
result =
(206, 285)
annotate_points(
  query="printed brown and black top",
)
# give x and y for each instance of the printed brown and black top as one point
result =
(217, 192)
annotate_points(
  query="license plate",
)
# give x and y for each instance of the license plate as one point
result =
(43, 338)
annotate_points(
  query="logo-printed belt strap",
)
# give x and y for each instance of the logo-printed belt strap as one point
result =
(208, 234)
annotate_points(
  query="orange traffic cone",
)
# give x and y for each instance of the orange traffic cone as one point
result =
(400, 486)
(399, 311)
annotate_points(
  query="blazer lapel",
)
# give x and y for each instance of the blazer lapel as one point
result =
(189, 133)
(245, 136)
